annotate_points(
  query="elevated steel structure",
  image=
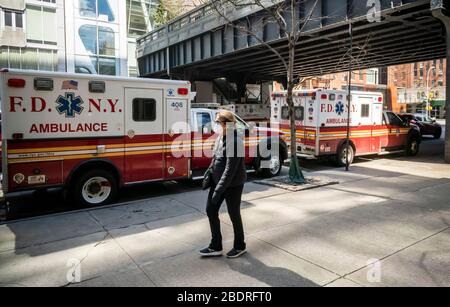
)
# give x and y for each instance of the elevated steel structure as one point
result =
(201, 46)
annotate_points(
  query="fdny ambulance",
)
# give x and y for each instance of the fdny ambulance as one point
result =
(322, 118)
(92, 135)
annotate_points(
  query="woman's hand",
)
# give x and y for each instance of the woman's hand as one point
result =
(215, 198)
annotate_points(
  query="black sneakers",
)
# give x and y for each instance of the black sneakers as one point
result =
(208, 252)
(236, 253)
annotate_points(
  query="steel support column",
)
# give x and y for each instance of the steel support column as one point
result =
(440, 12)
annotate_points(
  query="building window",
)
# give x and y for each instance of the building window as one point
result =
(98, 40)
(8, 19)
(106, 41)
(13, 19)
(98, 9)
(95, 65)
(39, 21)
(99, 43)
(372, 76)
(28, 58)
(88, 35)
(139, 16)
(19, 20)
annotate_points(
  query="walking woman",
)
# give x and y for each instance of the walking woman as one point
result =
(228, 176)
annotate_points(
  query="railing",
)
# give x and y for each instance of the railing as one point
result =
(193, 16)
(178, 23)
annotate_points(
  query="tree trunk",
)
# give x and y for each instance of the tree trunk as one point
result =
(295, 172)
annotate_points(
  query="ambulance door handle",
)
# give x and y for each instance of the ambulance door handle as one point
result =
(101, 149)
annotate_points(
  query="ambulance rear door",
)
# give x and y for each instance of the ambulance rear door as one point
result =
(144, 141)
(177, 138)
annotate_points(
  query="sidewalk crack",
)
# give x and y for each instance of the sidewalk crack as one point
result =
(399, 251)
(128, 255)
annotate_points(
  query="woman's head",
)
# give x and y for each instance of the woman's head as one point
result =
(225, 118)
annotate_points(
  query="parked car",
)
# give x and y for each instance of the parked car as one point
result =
(427, 125)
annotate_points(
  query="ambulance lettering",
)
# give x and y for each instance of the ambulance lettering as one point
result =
(338, 108)
(68, 128)
(68, 105)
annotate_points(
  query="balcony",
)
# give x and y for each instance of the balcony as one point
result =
(17, 5)
(13, 37)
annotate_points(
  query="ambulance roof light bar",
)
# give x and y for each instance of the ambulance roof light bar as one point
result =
(295, 94)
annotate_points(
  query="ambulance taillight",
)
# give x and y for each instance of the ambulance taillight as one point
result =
(16, 83)
(183, 91)
(17, 136)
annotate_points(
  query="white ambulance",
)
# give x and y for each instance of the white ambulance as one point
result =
(92, 135)
(322, 118)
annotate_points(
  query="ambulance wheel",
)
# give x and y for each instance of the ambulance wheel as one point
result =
(341, 157)
(275, 165)
(412, 148)
(96, 188)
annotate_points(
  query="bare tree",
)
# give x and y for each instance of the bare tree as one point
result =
(286, 14)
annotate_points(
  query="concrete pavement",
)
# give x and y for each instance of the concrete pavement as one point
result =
(386, 224)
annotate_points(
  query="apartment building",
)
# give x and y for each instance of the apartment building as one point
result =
(418, 82)
(81, 36)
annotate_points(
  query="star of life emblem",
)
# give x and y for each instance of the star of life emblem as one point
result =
(69, 105)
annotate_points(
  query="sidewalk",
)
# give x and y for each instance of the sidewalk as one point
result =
(394, 210)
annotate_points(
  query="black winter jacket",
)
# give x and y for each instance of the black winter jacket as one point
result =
(229, 167)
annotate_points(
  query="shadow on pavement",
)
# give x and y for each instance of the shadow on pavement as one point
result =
(272, 276)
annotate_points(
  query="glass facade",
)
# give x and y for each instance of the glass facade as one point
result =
(139, 16)
(139, 20)
(98, 9)
(96, 39)
(83, 36)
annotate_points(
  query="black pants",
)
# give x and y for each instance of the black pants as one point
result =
(233, 198)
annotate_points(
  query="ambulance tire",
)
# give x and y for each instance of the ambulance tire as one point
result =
(341, 155)
(412, 148)
(95, 188)
(274, 162)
